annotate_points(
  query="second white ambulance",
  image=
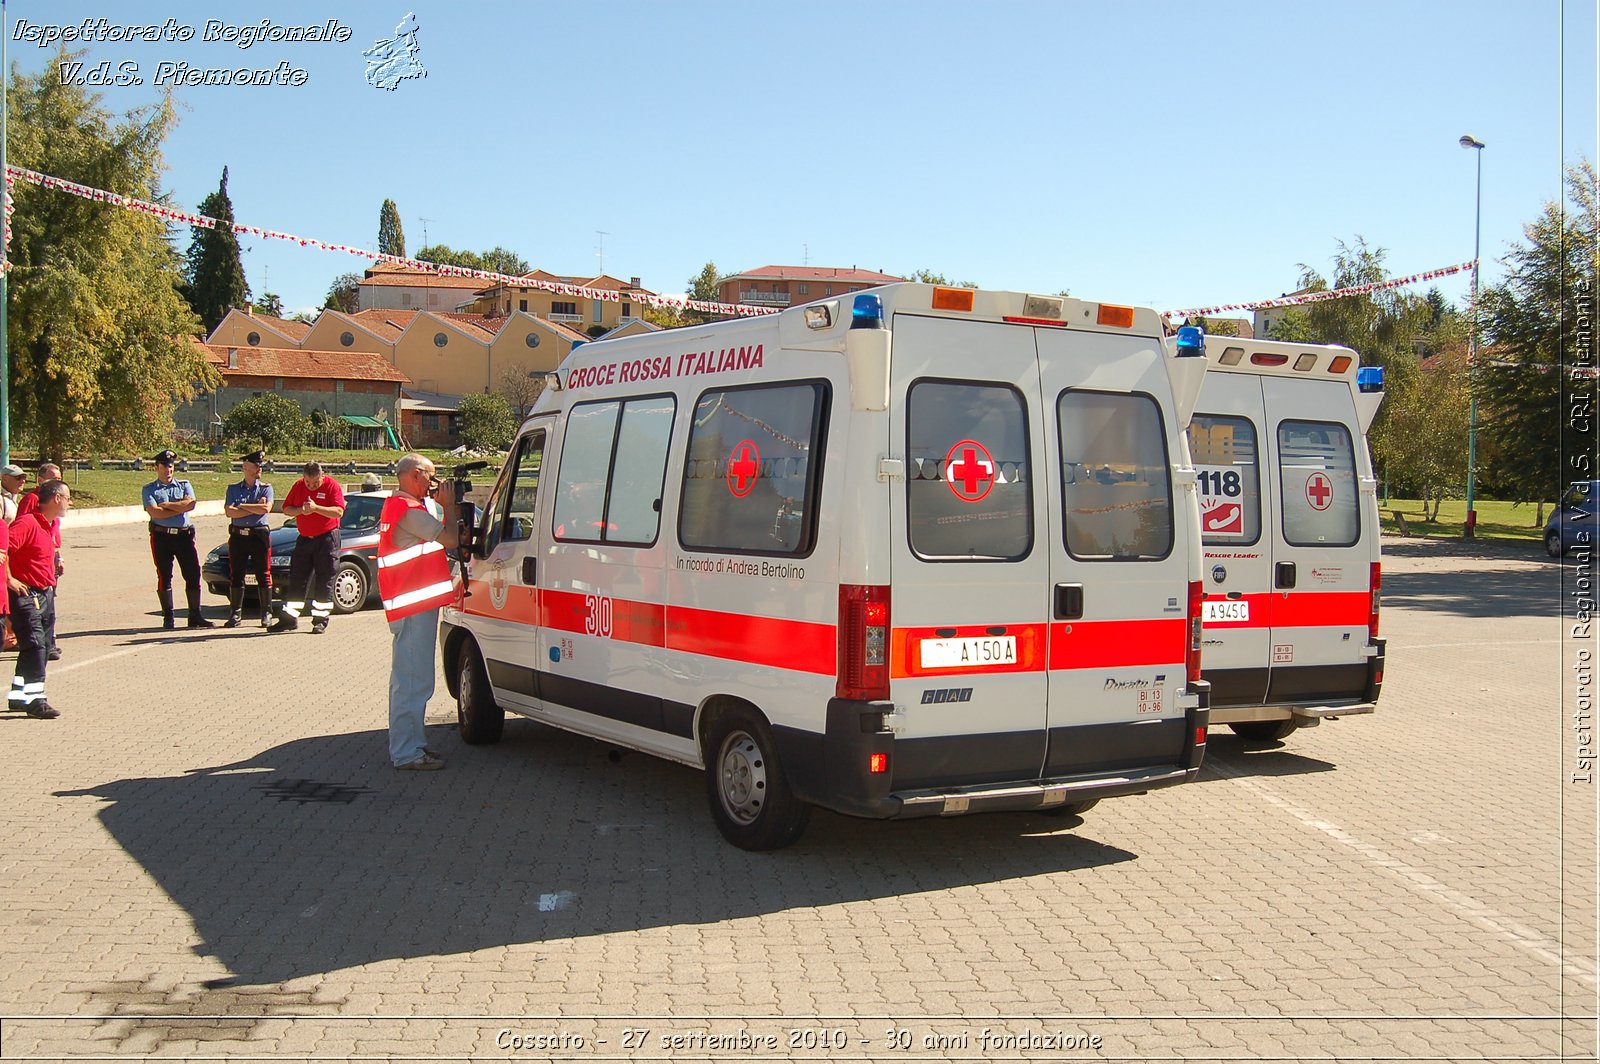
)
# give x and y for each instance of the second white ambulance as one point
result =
(917, 551)
(1289, 509)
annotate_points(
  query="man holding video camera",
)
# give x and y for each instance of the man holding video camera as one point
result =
(414, 581)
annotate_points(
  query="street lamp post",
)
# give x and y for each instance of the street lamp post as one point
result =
(1469, 141)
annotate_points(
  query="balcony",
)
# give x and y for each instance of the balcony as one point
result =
(765, 299)
(566, 317)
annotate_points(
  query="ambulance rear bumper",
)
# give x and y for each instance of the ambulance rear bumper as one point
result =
(831, 770)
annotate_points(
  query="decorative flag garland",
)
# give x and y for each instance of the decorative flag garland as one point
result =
(182, 217)
(1318, 297)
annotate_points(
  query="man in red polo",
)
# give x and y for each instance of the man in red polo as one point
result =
(31, 585)
(316, 502)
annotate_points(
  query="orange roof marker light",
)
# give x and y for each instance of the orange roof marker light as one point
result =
(1114, 314)
(1339, 364)
(952, 299)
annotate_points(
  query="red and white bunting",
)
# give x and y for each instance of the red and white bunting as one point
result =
(1318, 297)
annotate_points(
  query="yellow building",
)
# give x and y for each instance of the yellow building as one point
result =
(582, 314)
(335, 331)
(246, 328)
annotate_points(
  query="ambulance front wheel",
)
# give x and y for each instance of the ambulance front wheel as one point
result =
(1263, 731)
(750, 797)
(481, 718)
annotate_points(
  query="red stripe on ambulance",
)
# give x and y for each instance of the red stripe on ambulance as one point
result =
(1117, 644)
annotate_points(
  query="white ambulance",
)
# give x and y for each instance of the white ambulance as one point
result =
(1289, 508)
(914, 551)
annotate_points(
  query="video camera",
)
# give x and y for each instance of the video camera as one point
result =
(466, 512)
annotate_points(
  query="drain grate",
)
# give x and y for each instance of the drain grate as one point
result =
(303, 791)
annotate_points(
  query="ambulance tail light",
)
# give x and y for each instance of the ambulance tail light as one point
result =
(1377, 596)
(1191, 653)
(953, 299)
(1340, 363)
(863, 642)
(1268, 358)
(1114, 315)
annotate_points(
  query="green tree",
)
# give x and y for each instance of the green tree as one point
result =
(391, 237)
(486, 421)
(520, 388)
(344, 294)
(503, 260)
(1533, 394)
(98, 331)
(929, 277)
(269, 421)
(703, 285)
(216, 276)
(1425, 450)
(270, 304)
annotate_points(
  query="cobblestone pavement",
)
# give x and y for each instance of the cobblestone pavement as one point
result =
(208, 856)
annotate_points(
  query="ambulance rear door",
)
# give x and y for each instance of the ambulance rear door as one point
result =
(1225, 444)
(1119, 536)
(1323, 543)
(970, 554)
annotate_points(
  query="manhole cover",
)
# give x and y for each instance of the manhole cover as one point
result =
(303, 791)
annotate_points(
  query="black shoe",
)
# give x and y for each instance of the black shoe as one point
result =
(43, 710)
(55, 654)
(233, 621)
(318, 627)
(201, 622)
(168, 623)
(283, 624)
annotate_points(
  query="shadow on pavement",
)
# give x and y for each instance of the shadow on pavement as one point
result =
(1510, 592)
(315, 855)
(1259, 759)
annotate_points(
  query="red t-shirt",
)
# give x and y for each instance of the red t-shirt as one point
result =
(329, 494)
(29, 503)
(32, 558)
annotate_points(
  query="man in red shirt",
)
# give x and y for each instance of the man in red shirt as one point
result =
(316, 502)
(31, 584)
(27, 503)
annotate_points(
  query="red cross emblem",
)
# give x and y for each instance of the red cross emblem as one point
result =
(969, 470)
(1319, 491)
(744, 467)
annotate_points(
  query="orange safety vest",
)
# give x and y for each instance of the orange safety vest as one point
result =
(410, 579)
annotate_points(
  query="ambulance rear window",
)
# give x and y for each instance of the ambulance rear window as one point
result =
(1116, 491)
(1224, 452)
(968, 496)
(1317, 471)
(751, 478)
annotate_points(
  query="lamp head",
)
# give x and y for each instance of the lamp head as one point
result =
(1469, 141)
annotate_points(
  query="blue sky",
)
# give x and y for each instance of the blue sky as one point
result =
(1169, 154)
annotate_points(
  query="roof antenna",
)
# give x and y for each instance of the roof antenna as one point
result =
(601, 252)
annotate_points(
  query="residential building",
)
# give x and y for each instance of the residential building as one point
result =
(374, 333)
(361, 387)
(583, 314)
(388, 286)
(247, 328)
(782, 286)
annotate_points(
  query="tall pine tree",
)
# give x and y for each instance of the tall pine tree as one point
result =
(391, 237)
(216, 276)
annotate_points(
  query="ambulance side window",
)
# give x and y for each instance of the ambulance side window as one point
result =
(613, 463)
(511, 514)
(1317, 471)
(1116, 490)
(751, 477)
(1224, 450)
(968, 490)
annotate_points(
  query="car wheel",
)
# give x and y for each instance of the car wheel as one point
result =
(1263, 731)
(750, 797)
(480, 717)
(1552, 544)
(349, 587)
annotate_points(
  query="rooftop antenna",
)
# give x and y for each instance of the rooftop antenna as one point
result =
(425, 222)
(601, 252)
(805, 254)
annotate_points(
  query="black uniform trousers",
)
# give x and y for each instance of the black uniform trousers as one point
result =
(33, 619)
(311, 566)
(249, 552)
(175, 544)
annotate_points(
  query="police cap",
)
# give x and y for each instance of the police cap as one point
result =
(254, 458)
(166, 458)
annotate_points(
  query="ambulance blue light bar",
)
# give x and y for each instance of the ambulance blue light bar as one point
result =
(867, 313)
(1191, 341)
(1369, 379)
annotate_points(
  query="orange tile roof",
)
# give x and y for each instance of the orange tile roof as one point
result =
(388, 324)
(815, 273)
(296, 363)
(294, 330)
(422, 279)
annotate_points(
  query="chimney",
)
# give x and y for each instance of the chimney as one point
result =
(233, 358)
(633, 282)
(250, 309)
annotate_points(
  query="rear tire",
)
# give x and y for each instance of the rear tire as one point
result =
(482, 720)
(350, 587)
(750, 798)
(1552, 544)
(1264, 731)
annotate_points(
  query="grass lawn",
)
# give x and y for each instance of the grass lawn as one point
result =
(122, 487)
(1496, 520)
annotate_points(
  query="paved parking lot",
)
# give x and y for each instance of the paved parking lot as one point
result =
(208, 856)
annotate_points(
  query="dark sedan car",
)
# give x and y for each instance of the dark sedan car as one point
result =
(355, 579)
(1575, 522)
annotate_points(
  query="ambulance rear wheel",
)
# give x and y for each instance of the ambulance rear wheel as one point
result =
(481, 718)
(751, 801)
(1263, 731)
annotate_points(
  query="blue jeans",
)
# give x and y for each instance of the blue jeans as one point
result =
(411, 683)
